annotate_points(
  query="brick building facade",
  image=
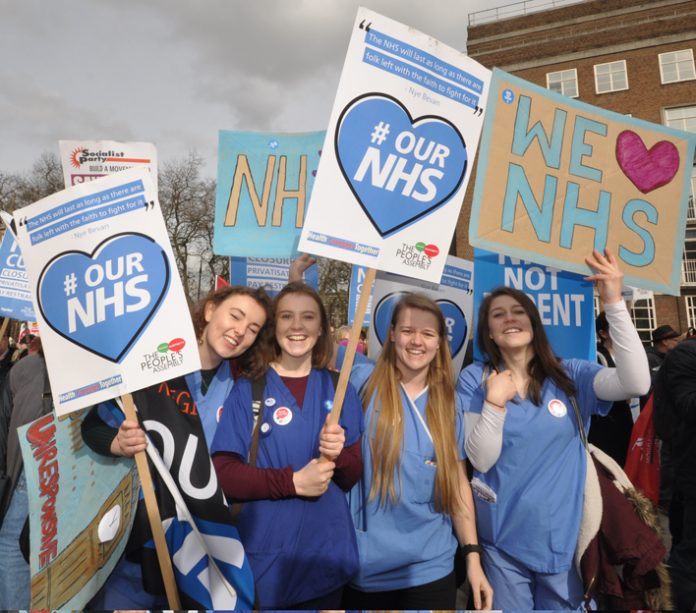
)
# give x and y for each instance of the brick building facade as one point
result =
(630, 56)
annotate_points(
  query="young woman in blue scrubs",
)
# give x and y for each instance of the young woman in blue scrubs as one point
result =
(523, 440)
(227, 323)
(294, 521)
(414, 503)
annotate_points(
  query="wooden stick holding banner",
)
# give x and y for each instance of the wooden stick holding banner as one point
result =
(347, 365)
(153, 515)
(3, 328)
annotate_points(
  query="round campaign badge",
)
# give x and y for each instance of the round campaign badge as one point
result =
(269, 402)
(282, 416)
(557, 408)
(265, 428)
(328, 404)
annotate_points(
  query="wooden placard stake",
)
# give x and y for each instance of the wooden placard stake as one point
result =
(153, 515)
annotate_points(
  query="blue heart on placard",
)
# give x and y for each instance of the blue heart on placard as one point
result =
(400, 169)
(103, 301)
(455, 320)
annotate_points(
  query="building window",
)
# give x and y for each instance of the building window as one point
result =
(563, 82)
(684, 118)
(691, 311)
(677, 66)
(611, 77)
(643, 316)
(689, 258)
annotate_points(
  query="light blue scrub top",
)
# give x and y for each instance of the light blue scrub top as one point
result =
(529, 504)
(409, 543)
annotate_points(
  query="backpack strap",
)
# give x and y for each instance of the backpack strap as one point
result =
(257, 406)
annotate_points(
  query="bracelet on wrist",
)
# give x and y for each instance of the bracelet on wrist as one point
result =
(496, 405)
(465, 550)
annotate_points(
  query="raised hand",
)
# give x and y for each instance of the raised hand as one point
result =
(607, 275)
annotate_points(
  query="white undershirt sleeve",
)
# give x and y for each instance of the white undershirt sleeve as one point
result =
(484, 437)
(631, 377)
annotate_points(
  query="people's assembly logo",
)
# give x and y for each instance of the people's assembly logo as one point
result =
(419, 255)
(168, 355)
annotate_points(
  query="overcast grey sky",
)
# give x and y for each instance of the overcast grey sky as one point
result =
(174, 72)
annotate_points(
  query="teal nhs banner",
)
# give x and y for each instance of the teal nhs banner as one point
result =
(263, 187)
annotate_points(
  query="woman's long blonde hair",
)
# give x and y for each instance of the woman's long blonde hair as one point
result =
(386, 426)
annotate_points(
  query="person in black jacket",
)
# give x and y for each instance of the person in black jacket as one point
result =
(675, 391)
(611, 432)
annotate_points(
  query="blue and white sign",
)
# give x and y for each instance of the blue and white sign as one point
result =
(454, 296)
(357, 280)
(269, 273)
(564, 300)
(263, 187)
(15, 297)
(397, 156)
(111, 308)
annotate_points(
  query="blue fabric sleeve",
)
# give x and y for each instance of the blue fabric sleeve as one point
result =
(233, 434)
(110, 413)
(468, 385)
(583, 373)
(352, 416)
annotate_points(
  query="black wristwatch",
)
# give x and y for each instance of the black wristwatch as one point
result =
(465, 550)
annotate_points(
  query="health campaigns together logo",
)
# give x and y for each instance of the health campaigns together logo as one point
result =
(400, 169)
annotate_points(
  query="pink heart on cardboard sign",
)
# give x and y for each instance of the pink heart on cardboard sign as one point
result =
(646, 168)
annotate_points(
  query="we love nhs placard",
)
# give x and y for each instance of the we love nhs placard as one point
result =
(15, 297)
(398, 153)
(564, 299)
(263, 188)
(270, 273)
(557, 178)
(454, 296)
(111, 309)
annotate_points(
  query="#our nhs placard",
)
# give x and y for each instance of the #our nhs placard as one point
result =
(15, 297)
(81, 509)
(263, 187)
(269, 273)
(564, 299)
(86, 160)
(398, 153)
(111, 308)
(557, 177)
(357, 280)
(454, 296)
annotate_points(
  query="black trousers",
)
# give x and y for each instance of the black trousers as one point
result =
(438, 595)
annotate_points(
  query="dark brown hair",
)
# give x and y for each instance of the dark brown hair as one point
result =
(543, 363)
(269, 349)
(250, 358)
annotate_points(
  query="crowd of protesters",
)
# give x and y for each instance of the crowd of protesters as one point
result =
(423, 473)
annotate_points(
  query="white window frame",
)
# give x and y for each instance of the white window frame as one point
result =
(563, 80)
(642, 311)
(690, 302)
(664, 59)
(612, 76)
